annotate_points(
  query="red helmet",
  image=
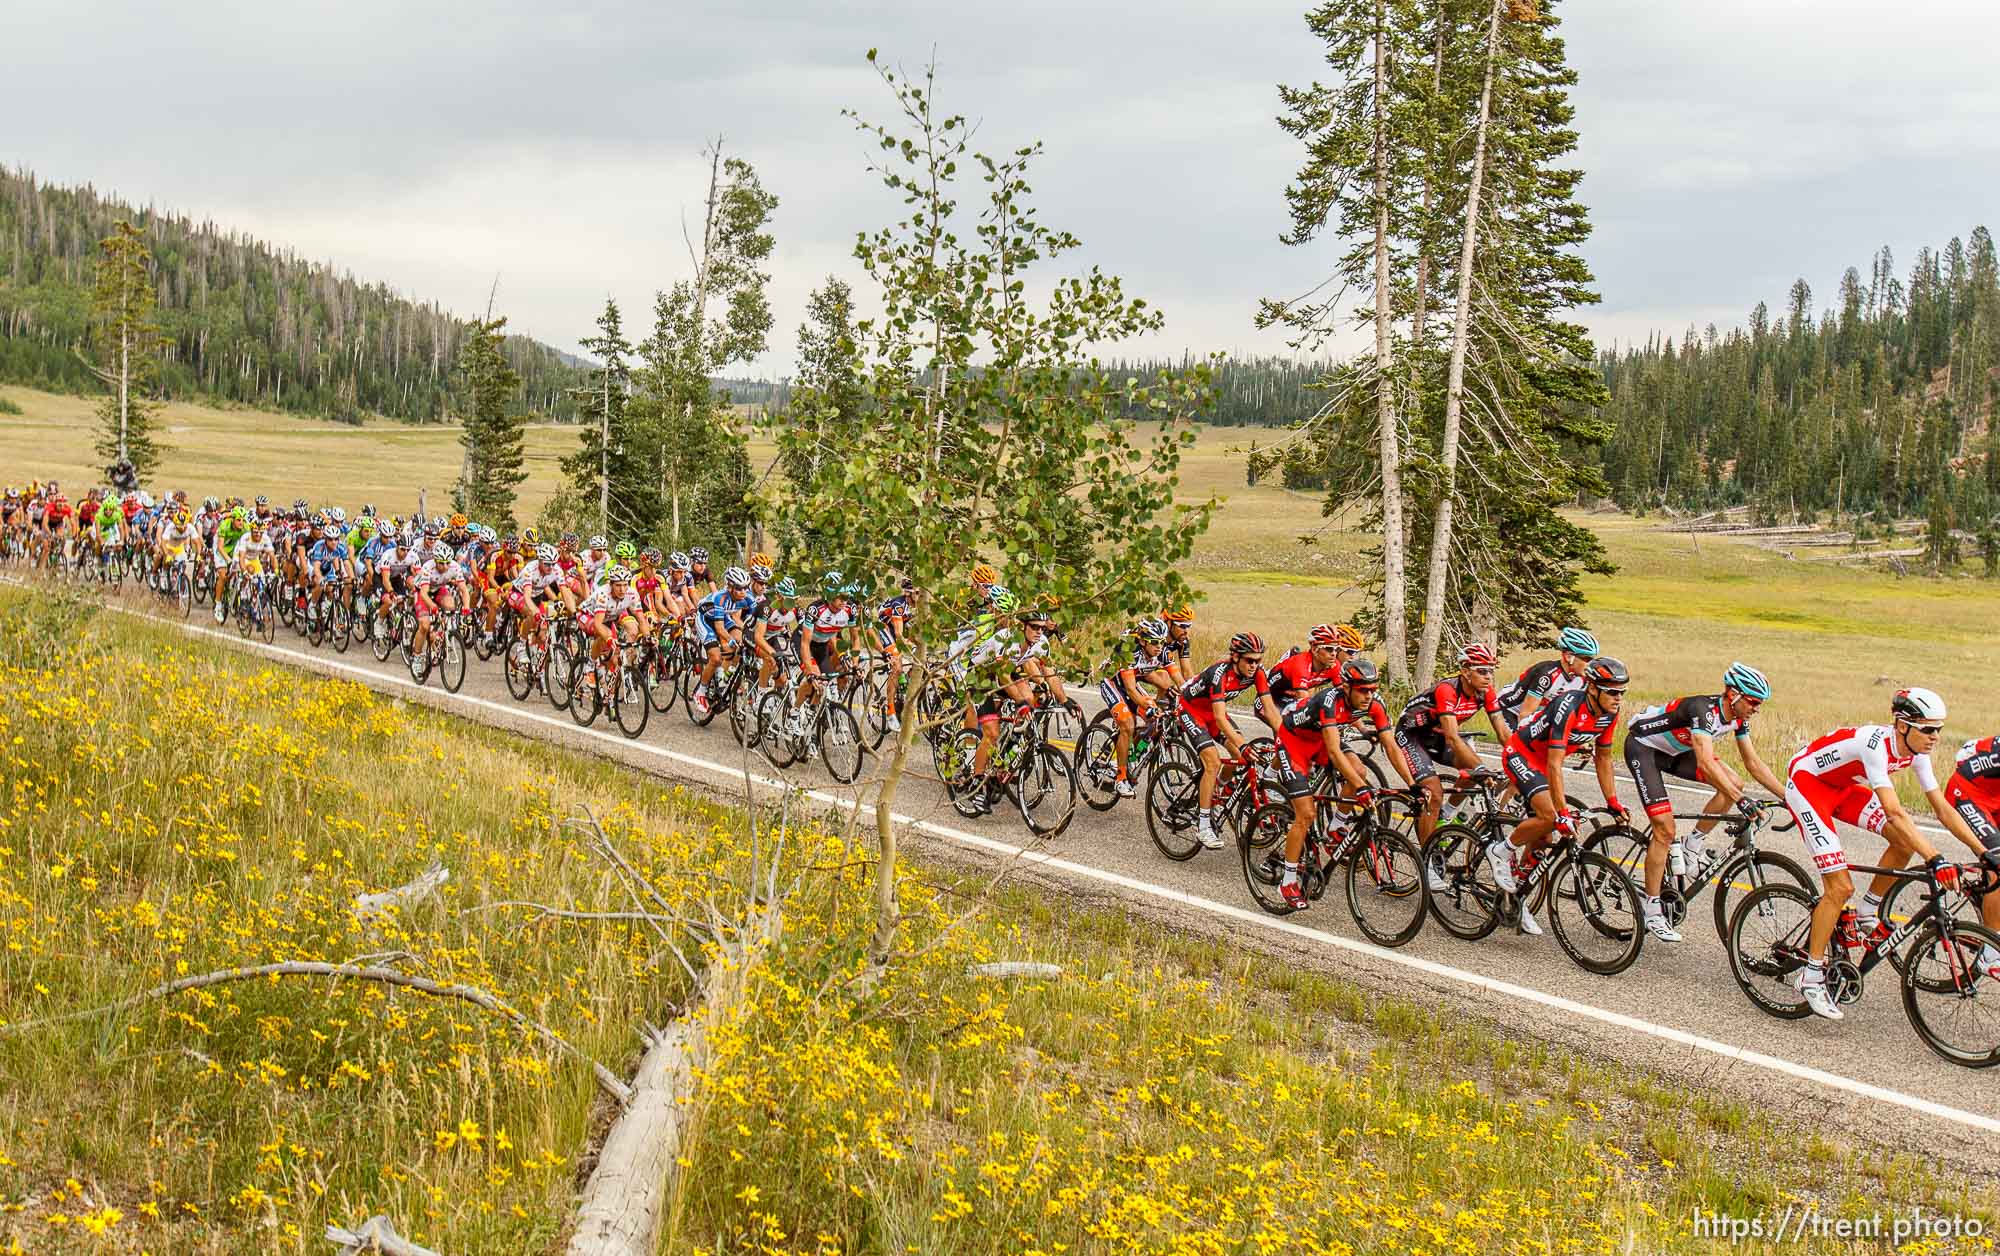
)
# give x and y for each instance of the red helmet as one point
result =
(1322, 635)
(1246, 643)
(1478, 654)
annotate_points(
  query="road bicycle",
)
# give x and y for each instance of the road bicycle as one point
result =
(1024, 768)
(1591, 904)
(1154, 738)
(611, 684)
(790, 728)
(252, 605)
(1949, 999)
(1742, 868)
(444, 648)
(1382, 864)
(1173, 795)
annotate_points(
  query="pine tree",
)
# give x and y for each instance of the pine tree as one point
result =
(127, 349)
(601, 460)
(494, 435)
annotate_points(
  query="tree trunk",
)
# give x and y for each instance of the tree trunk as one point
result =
(1423, 296)
(604, 457)
(1454, 393)
(1394, 615)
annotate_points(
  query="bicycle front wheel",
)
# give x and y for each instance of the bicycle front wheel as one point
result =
(839, 742)
(1753, 872)
(1046, 792)
(1768, 934)
(1173, 804)
(1385, 887)
(1261, 845)
(452, 670)
(1951, 1002)
(1595, 911)
(1463, 897)
(1097, 763)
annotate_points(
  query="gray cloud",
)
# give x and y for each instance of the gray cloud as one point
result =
(1730, 146)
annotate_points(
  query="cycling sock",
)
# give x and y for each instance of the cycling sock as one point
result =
(1868, 914)
(1652, 905)
(1291, 874)
(1207, 815)
(1814, 974)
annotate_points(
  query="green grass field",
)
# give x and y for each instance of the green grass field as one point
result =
(1836, 641)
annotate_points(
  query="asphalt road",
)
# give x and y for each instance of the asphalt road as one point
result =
(1676, 1011)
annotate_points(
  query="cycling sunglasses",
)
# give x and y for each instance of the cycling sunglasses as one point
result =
(1928, 730)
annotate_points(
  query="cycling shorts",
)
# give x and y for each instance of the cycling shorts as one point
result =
(1201, 729)
(823, 655)
(1981, 821)
(1648, 768)
(1423, 758)
(1292, 767)
(1522, 772)
(1817, 807)
(426, 604)
(997, 706)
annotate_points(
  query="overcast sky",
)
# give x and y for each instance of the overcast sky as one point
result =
(1730, 145)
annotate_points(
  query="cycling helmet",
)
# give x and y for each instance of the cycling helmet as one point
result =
(339, 515)
(1322, 635)
(439, 522)
(300, 503)
(145, 501)
(457, 520)
(1578, 642)
(1360, 672)
(1179, 615)
(993, 592)
(488, 535)
(1605, 670)
(546, 555)
(1477, 654)
(625, 552)
(240, 515)
(698, 555)
(678, 561)
(785, 588)
(1348, 637)
(830, 582)
(598, 543)
(1747, 681)
(1246, 643)
(331, 531)
(736, 578)
(984, 574)
(210, 503)
(55, 488)
(384, 528)
(263, 500)
(760, 572)
(758, 559)
(441, 552)
(852, 590)
(1917, 704)
(1003, 601)
(1153, 630)
(530, 537)
(368, 509)
(619, 574)
(651, 554)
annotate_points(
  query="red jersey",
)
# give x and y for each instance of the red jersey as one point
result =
(1295, 676)
(1565, 721)
(1977, 775)
(1215, 684)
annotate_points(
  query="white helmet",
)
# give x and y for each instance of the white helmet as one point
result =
(1918, 704)
(441, 552)
(619, 574)
(546, 555)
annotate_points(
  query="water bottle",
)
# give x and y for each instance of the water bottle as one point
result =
(1847, 932)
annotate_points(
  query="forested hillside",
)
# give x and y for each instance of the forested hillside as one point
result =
(245, 321)
(1880, 401)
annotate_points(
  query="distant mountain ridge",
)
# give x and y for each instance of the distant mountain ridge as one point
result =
(246, 321)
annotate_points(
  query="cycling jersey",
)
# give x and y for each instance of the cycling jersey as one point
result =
(1198, 696)
(1302, 733)
(1143, 660)
(1974, 789)
(602, 604)
(250, 552)
(1295, 676)
(327, 556)
(86, 513)
(534, 577)
(228, 535)
(1835, 778)
(430, 575)
(1420, 719)
(1659, 743)
(827, 621)
(1544, 681)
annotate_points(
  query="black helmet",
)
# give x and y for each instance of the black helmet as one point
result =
(1360, 671)
(1605, 670)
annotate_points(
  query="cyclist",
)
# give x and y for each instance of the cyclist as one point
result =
(254, 555)
(1847, 775)
(1204, 718)
(611, 608)
(533, 585)
(700, 579)
(1576, 719)
(987, 645)
(892, 619)
(228, 533)
(1543, 681)
(1308, 736)
(1974, 792)
(326, 560)
(1143, 665)
(821, 627)
(720, 618)
(1180, 649)
(1302, 671)
(1430, 731)
(1678, 740)
(775, 636)
(178, 537)
(439, 585)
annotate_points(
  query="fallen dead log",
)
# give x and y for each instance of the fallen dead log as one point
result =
(377, 1234)
(1015, 970)
(627, 1193)
(423, 887)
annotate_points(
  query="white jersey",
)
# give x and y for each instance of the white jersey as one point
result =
(1860, 757)
(430, 575)
(601, 602)
(174, 534)
(251, 550)
(535, 578)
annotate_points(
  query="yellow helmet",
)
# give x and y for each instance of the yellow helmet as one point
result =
(1348, 637)
(983, 573)
(1179, 615)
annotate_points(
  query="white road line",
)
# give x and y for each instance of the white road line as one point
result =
(1241, 915)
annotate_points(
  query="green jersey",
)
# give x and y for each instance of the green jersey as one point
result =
(228, 534)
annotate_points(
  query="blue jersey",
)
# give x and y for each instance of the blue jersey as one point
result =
(326, 555)
(720, 608)
(372, 552)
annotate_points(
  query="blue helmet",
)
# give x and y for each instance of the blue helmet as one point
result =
(1578, 642)
(1747, 681)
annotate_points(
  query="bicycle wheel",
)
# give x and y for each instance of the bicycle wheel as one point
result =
(584, 699)
(1260, 847)
(702, 715)
(869, 704)
(382, 635)
(1173, 804)
(627, 698)
(1045, 791)
(1463, 897)
(780, 749)
(1766, 867)
(1594, 909)
(183, 593)
(743, 712)
(338, 629)
(839, 742)
(264, 616)
(1951, 1003)
(452, 670)
(1385, 886)
(519, 666)
(662, 680)
(1097, 763)
(1767, 941)
(956, 759)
